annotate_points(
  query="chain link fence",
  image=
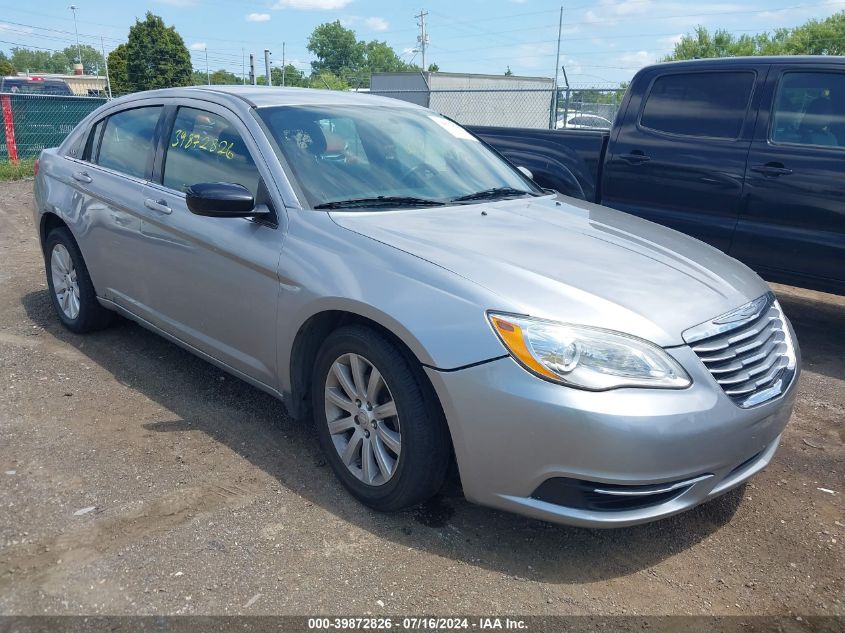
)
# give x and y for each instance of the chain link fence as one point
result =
(33, 122)
(576, 108)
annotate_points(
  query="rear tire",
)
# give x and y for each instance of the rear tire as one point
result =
(395, 426)
(71, 290)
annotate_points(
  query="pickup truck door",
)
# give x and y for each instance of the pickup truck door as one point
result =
(792, 228)
(679, 154)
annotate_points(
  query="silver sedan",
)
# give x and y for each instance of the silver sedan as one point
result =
(421, 301)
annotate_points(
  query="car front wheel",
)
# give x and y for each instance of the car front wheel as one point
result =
(380, 428)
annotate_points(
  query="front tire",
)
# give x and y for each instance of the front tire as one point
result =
(381, 431)
(71, 290)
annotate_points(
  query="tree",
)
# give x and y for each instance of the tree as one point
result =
(92, 59)
(118, 77)
(337, 50)
(815, 37)
(6, 67)
(34, 61)
(508, 72)
(433, 68)
(156, 56)
(224, 77)
(327, 81)
(293, 77)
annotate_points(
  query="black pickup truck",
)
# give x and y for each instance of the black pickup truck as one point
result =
(747, 154)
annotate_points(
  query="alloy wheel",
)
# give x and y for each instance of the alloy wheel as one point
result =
(362, 419)
(65, 283)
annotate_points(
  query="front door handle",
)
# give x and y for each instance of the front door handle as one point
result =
(771, 169)
(81, 176)
(635, 158)
(157, 205)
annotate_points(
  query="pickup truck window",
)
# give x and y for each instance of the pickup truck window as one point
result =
(699, 104)
(810, 109)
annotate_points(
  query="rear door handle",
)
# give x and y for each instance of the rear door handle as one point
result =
(81, 176)
(771, 169)
(635, 158)
(157, 205)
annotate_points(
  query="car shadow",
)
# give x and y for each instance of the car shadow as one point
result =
(256, 426)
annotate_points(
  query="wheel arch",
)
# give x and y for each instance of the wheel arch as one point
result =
(50, 221)
(314, 331)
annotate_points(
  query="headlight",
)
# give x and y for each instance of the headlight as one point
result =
(586, 357)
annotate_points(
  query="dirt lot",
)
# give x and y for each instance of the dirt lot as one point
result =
(135, 478)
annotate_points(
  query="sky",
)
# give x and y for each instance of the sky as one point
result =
(604, 41)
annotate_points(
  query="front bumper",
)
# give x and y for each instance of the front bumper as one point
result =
(513, 432)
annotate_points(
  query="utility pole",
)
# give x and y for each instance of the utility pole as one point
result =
(422, 38)
(73, 8)
(267, 66)
(243, 66)
(207, 74)
(252, 77)
(283, 65)
(106, 60)
(553, 114)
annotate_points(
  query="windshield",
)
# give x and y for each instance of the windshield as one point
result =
(343, 155)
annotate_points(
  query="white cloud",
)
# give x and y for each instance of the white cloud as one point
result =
(672, 41)
(198, 46)
(637, 59)
(312, 5)
(376, 23)
(258, 17)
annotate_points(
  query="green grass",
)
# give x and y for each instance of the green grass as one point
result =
(16, 171)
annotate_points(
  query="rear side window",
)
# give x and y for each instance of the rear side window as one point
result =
(699, 104)
(127, 140)
(810, 109)
(205, 147)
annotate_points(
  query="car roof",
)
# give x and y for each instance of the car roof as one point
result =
(263, 96)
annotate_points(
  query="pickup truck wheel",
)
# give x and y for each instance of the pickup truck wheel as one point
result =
(384, 438)
(71, 290)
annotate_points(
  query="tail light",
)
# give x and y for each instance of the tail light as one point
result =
(35, 166)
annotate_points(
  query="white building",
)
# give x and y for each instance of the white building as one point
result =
(473, 99)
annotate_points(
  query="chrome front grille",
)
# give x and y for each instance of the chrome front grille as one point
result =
(749, 351)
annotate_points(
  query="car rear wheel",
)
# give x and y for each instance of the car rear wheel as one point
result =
(71, 290)
(380, 428)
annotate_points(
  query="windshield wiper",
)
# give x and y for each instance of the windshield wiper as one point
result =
(495, 192)
(380, 201)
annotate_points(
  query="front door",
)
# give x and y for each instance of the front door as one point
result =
(212, 282)
(793, 226)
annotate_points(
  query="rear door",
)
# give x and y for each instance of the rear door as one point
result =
(109, 179)
(793, 226)
(679, 157)
(212, 282)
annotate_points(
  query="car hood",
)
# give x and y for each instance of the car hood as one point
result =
(568, 260)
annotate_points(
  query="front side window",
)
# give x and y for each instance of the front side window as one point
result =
(127, 140)
(810, 110)
(352, 152)
(205, 147)
(699, 104)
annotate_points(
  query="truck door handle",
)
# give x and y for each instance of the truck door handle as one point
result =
(81, 176)
(771, 169)
(635, 158)
(157, 205)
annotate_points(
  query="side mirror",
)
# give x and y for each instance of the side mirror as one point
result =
(220, 200)
(525, 172)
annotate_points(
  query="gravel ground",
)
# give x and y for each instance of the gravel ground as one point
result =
(137, 479)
